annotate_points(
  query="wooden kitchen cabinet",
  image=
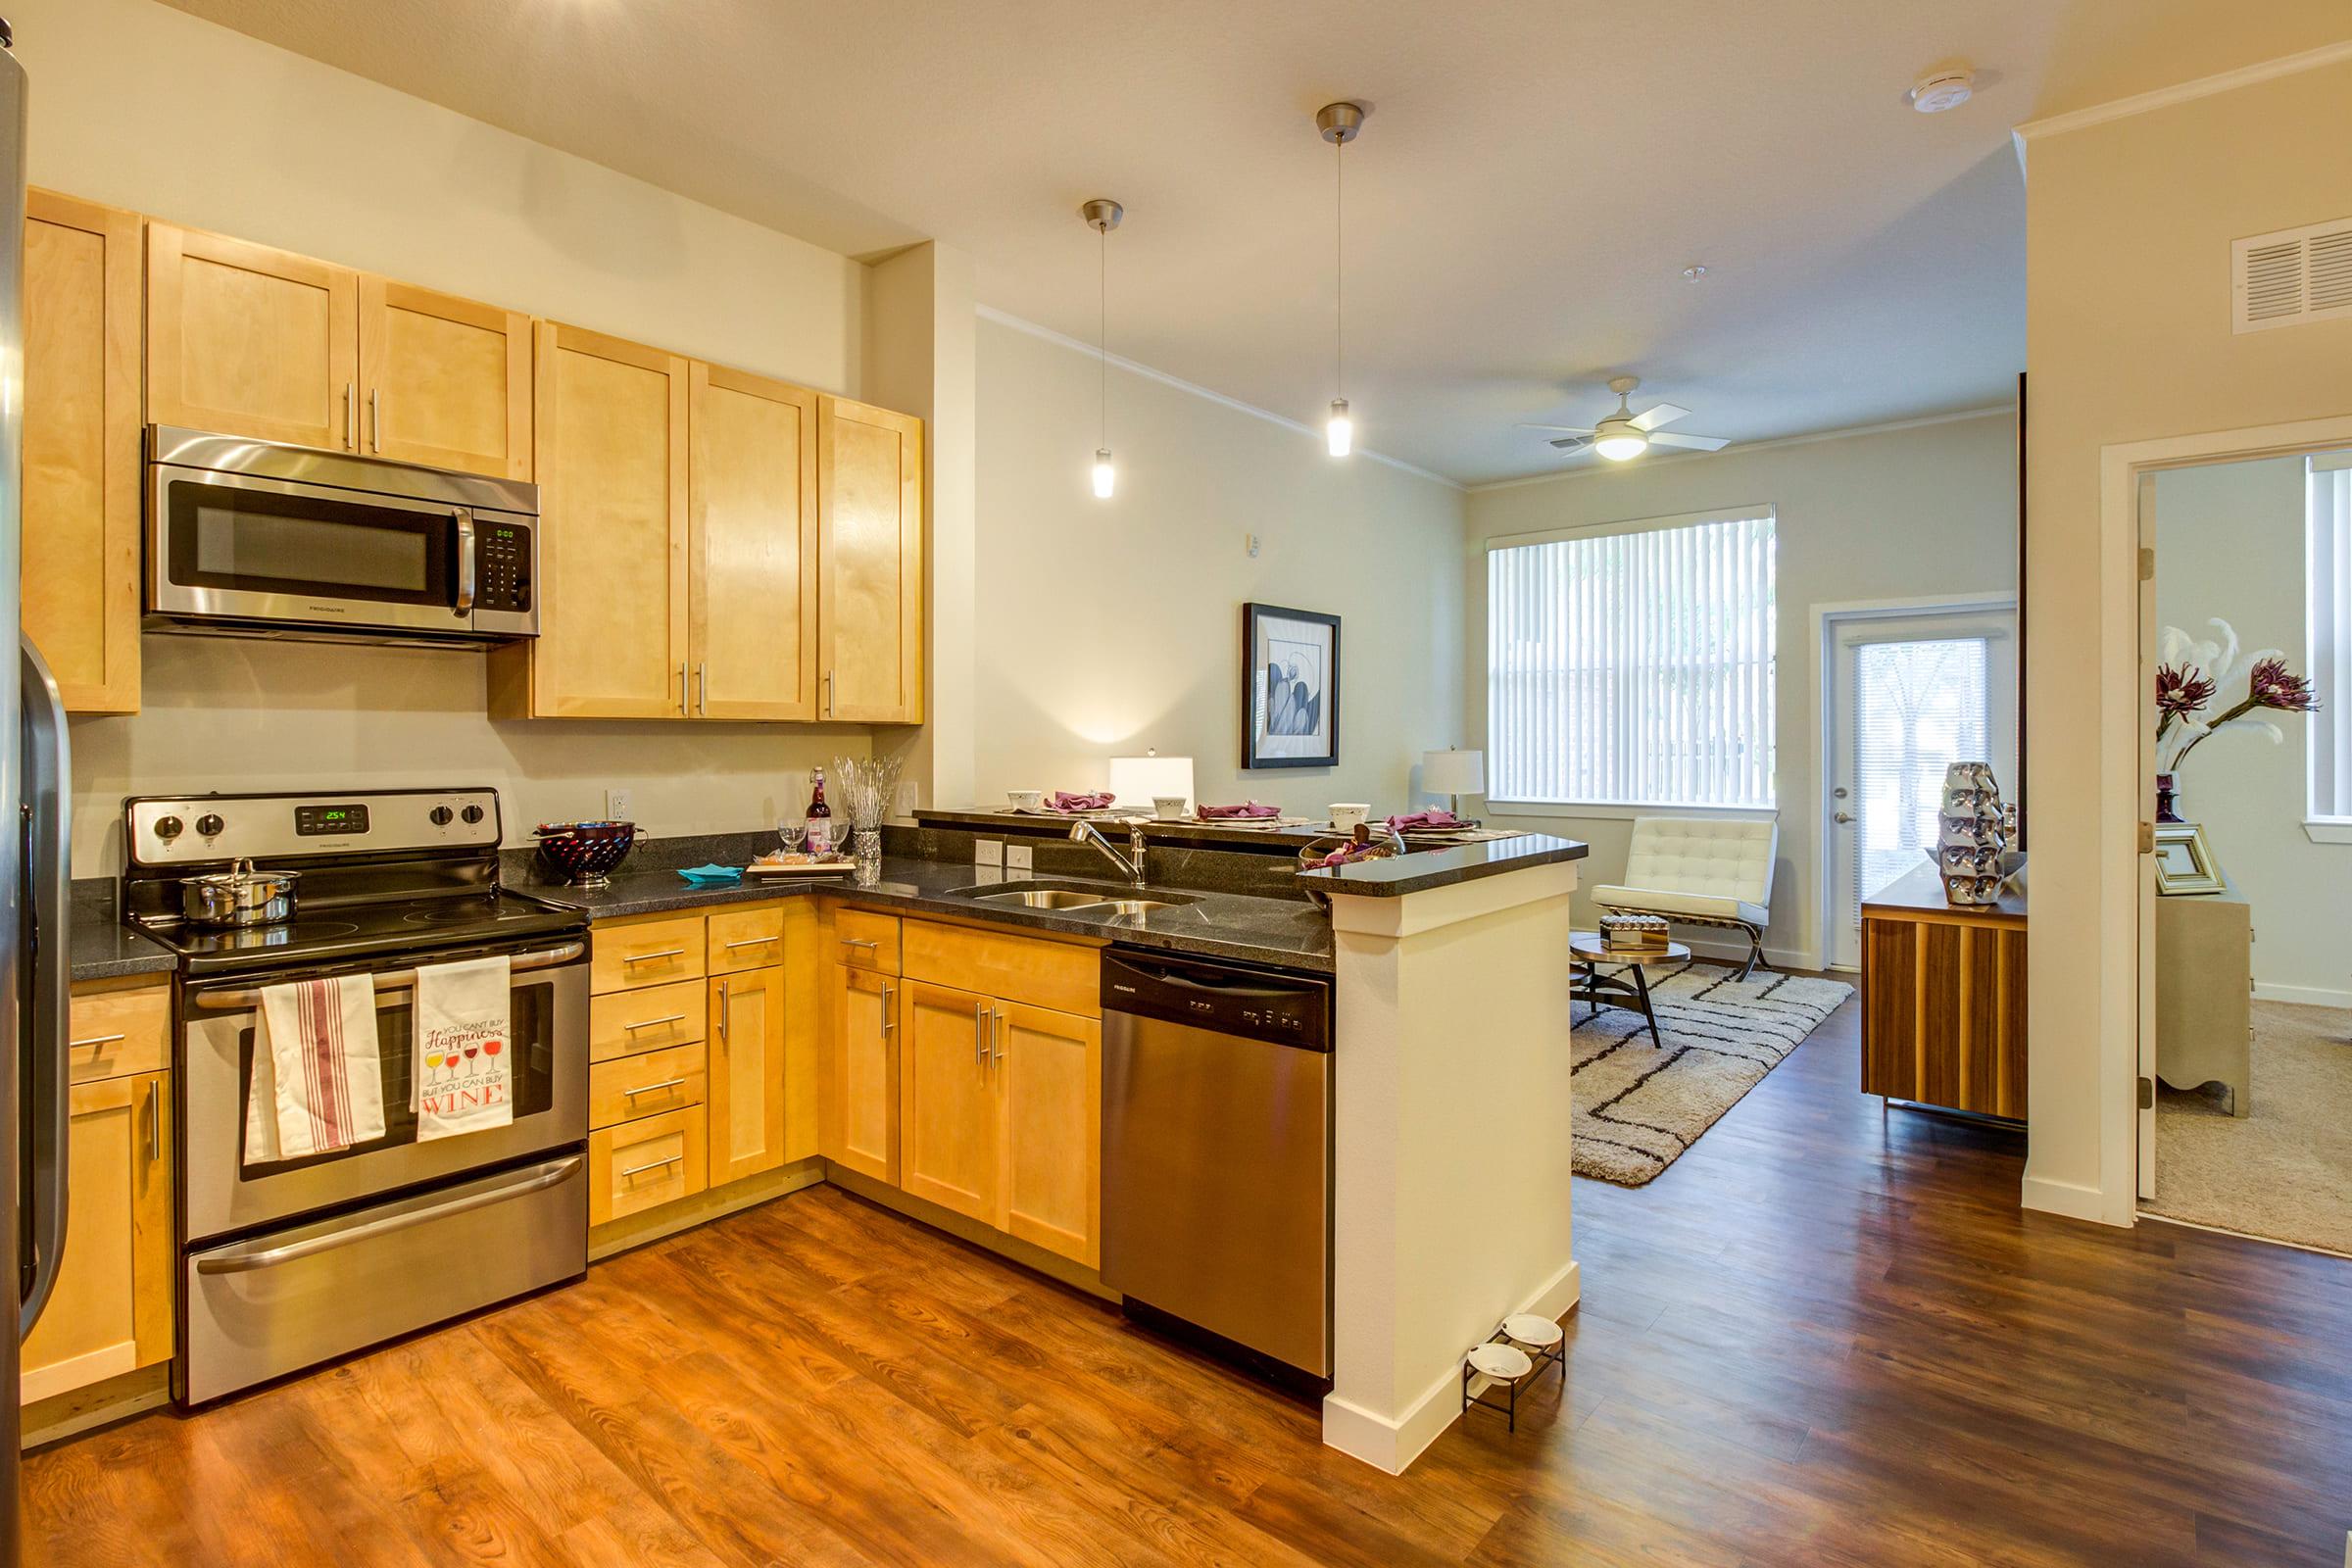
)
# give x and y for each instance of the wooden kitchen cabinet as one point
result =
(246, 340)
(950, 1124)
(645, 1163)
(81, 448)
(110, 1311)
(857, 1128)
(444, 381)
(746, 1097)
(752, 583)
(1051, 1081)
(869, 478)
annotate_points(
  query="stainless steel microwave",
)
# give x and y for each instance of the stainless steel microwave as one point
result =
(257, 538)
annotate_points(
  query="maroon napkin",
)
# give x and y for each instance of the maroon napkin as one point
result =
(1435, 817)
(1224, 814)
(1346, 852)
(1060, 801)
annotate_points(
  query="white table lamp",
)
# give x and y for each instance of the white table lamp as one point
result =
(1134, 781)
(1453, 775)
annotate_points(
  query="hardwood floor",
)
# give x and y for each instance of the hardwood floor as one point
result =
(1818, 1338)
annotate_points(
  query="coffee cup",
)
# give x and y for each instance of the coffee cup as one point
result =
(1348, 816)
(1169, 808)
(1027, 800)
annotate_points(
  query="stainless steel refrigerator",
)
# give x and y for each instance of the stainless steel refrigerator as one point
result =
(34, 965)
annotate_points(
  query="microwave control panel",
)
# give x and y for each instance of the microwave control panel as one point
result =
(502, 562)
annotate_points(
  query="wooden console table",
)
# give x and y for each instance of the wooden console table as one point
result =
(1943, 997)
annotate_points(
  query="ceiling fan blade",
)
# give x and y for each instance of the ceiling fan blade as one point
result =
(1663, 414)
(1564, 429)
(1696, 443)
(1572, 443)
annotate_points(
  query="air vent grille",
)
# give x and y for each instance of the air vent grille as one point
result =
(2293, 276)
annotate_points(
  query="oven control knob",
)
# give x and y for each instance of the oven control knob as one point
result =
(168, 828)
(471, 813)
(209, 824)
(441, 815)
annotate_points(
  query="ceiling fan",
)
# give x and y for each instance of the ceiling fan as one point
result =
(1626, 435)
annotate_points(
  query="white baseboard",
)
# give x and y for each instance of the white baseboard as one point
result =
(1393, 1445)
(2070, 1199)
(2302, 996)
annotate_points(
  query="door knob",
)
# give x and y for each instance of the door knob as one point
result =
(1841, 816)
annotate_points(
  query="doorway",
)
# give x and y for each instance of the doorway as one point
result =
(1909, 689)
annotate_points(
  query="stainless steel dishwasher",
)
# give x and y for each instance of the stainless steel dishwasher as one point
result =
(1217, 1149)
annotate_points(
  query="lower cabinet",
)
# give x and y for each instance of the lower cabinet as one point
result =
(859, 1128)
(110, 1311)
(645, 1163)
(950, 1132)
(747, 1073)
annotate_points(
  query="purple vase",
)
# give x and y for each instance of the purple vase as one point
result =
(2167, 799)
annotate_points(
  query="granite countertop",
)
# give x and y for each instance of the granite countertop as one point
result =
(1438, 868)
(102, 947)
(1283, 933)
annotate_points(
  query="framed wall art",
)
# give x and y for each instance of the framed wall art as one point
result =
(1289, 688)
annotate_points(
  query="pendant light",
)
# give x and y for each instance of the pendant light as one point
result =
(1103, 214)
(1339, 124)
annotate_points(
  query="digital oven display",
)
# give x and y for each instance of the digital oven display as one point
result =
(311, 821)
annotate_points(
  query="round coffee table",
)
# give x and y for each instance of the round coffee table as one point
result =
(1615, 989)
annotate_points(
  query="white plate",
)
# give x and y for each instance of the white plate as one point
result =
(1530, 1328)
(1503, 1361)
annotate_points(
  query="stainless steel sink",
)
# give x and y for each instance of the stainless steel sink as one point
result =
(1044, 899)
(1114, 908)
(1074, 897)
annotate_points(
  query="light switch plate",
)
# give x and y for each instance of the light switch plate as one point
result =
(1016, 857)
(616, 805)
(987, 851)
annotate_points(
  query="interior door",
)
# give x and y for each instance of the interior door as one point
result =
(2144, 1161)
(612, 467)
(444, 381)
(752, 509)
(1051, 1076)
(246, 340)
(871, 554)
(1910, 695)
(948, 1122)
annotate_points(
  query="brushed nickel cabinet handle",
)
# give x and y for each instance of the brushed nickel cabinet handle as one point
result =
(351, 416)
(996, 1035)
(889, 1023)
(750, 942)
(724, 994)
(155, 1127)
(648, 958)
(647, 1089)
(375, 418)
(639, 1170)
(828, 694)
(701, 689)
(95, 1040)
(682, 708)
(653, 1023)
(980, 1033)
(860, 942)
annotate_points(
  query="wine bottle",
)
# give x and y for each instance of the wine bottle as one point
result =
(820, 815)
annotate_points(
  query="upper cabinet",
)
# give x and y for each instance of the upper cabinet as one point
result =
(870, 545)
(81, 448)
(751, 498)
(246, 340)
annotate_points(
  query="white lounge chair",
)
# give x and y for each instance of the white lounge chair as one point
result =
(1702, 870)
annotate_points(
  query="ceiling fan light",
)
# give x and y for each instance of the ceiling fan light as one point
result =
(1340, 431)
(1105, 476)
(1617, 440)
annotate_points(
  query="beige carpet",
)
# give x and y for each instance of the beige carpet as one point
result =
(2285, 1170)
(1640, 1106)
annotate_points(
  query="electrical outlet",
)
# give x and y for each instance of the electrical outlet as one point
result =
(987, 851)
(616, 805)
(1016, 857)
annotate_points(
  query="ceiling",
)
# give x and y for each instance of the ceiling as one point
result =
(1529, 184)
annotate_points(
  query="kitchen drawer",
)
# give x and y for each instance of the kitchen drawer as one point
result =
(863, 939)
(747, 939)
(648, 953)
(626, 1022)
(645, 1085)
(120, 1032)
(645, 1163)
(1059, 975)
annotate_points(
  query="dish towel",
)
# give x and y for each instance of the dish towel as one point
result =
(464, 1077)
(318, 1077)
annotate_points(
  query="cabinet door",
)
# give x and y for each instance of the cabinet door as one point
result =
(859, 1130)
(444, 381)
(1052, 1078)
(753, 503)
(612, 467)
(81, 448)
(747, 1074)
(112, 1309)
(948, 1120)
(246, 340)
(869, 485)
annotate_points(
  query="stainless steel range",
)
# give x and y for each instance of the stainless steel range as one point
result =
(287, 1263)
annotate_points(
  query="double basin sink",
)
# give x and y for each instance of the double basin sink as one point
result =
(1076, 898)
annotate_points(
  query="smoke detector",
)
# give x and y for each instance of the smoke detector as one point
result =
(1939, 90)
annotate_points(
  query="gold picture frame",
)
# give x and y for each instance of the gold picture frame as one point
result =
(2184, 862)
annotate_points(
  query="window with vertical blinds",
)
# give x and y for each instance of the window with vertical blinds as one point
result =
(2328, 585)
(1632, 666)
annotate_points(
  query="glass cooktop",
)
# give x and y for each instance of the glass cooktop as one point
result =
(358, 931)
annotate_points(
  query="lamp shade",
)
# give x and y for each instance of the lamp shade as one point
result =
(1453, 773)
(1134, 781)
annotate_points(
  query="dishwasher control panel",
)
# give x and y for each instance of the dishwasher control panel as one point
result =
(1287, 1009)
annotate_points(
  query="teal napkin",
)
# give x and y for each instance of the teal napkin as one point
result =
(711, 873)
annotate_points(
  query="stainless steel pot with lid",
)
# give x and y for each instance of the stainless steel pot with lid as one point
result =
(238, 895)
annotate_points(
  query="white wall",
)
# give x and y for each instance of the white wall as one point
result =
(2230, 542)
(1105, 627)
(146, 107)
(1902, 514)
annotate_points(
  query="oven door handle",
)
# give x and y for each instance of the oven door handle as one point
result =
(390, 979)
(243, 1262)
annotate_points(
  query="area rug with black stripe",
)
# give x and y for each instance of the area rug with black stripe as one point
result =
(1640, 1106)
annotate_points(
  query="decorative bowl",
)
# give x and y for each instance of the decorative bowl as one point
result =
(583, 853)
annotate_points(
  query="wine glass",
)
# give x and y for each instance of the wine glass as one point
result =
(792, 832)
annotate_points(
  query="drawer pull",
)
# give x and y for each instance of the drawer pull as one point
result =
(639, 1170)
(666, 1083)
(94, 1040)
(648, 958)
(758, 942)
(653, 1023)
(860, 942)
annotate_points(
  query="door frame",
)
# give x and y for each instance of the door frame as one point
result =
(1828, 620)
